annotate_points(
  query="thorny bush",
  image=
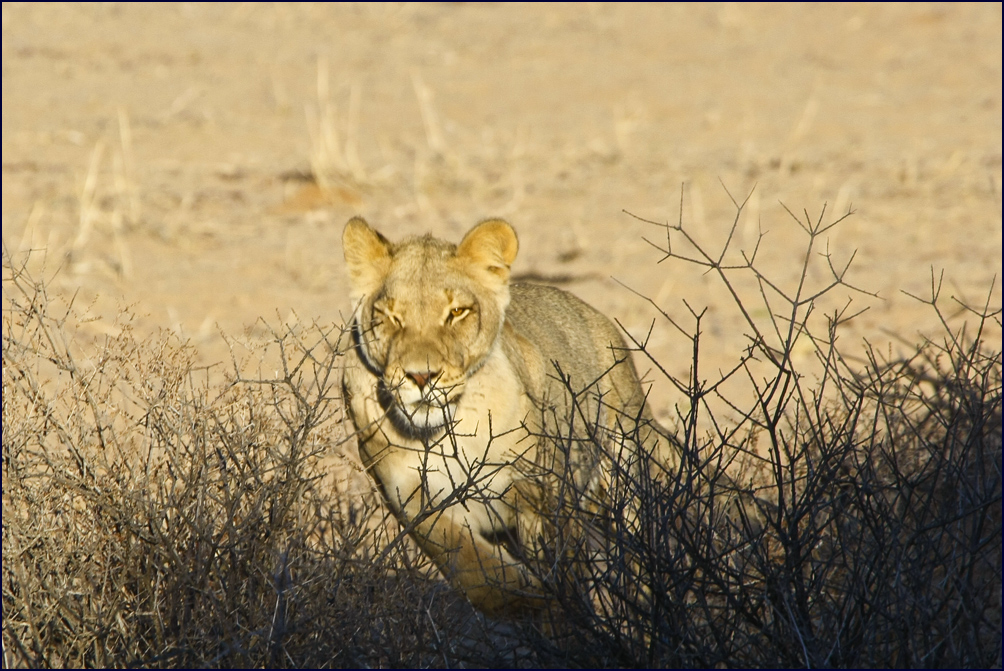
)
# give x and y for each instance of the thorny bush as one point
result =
(155, 517)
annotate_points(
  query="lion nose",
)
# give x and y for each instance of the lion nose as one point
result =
(422, 379)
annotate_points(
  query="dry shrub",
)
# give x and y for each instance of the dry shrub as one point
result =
(847, 517)
(861, 522)
(154, 520)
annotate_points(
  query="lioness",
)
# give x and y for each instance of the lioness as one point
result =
(460, 386)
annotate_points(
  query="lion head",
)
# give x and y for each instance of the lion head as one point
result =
(428, 316)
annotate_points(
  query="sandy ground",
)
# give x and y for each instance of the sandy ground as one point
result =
(160, 156)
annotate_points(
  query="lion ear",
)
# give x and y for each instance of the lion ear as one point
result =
(367, 255)
(492, 245)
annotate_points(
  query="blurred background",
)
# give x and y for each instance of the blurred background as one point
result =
(196, 163)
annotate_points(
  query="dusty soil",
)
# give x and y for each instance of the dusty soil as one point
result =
(198, 162)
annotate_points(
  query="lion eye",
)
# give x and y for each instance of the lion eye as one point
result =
(394, 321)
(457, 314)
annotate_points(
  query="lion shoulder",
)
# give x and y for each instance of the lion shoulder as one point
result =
(564, 333)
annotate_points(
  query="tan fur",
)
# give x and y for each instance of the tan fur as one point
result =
(453, 375)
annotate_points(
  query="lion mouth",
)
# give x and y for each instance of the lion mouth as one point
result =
(415, 414)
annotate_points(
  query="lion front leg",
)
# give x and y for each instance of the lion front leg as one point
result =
(451, 530)
(488, 575)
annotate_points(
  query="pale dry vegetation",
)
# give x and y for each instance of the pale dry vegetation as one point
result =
(156, 517)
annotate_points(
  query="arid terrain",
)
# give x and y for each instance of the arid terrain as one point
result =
(176, 179)
(196, 163)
